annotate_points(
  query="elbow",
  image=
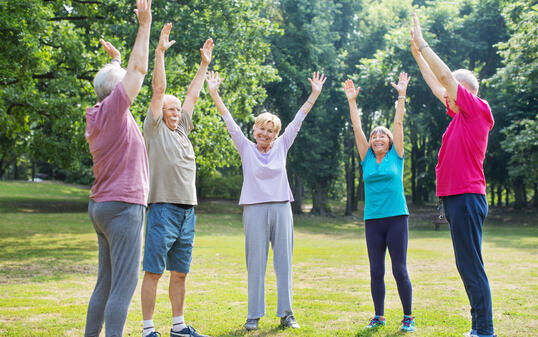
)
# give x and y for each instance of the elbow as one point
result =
(446, 78)
(141, 69)
(159, 89)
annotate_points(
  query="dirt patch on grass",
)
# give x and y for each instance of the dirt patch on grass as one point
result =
(20, 273)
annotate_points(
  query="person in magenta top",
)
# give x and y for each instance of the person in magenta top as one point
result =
(120, 191)
(460, 175)
(266, 197)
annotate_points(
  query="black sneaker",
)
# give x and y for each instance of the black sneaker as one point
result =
(289, 322)
(186, 332)
(154, 334)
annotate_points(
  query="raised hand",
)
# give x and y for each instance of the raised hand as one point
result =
(213, 81)
(110, 49)
(317, 82)
(403, 81)
(416, 32)
(164, 43)
(349, 90)
(143, 11)
(414, 47)
(207, 50)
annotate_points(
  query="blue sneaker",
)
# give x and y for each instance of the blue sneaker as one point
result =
(186, 332)
(408, 324)
(154, 334)
(375, 322)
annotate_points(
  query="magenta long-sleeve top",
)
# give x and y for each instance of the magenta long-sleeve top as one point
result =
(264, 174)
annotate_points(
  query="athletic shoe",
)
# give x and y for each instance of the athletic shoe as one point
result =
(469, 334)
(154, 334)
(375, 322)
(475, 335)
(289, 322)
(251, 324)
(408, 324)
(186, 332)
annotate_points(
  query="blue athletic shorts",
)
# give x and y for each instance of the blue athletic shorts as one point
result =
(169, 238)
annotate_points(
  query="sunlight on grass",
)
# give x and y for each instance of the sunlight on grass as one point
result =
(48, 265)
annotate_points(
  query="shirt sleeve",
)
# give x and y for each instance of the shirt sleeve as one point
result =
(115, 106)
(185, 123)
(235, 132)
(149, 124)
(292, 129)
(472, 106)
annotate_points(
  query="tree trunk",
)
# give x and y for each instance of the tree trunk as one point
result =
(360, 188)
(320, 199)
(499, 196)
(492, 195)
(506, 196)
(350, 178)
(535, 195)
(520, 194)
(297, 188)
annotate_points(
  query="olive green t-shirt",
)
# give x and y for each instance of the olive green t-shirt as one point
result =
(172, 165)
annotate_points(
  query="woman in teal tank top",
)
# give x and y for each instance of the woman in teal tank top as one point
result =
(385, 208)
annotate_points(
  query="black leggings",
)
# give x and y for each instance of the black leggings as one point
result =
(381, 233)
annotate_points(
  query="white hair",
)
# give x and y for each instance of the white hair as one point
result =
(467, 78)
(106, 80)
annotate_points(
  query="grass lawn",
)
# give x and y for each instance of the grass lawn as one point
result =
(48, 265)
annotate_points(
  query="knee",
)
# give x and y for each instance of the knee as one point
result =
(152, 277)
(177, 277)
(400, 273)
(377, 274)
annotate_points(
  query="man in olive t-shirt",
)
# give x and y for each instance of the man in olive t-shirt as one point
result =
(172, 197)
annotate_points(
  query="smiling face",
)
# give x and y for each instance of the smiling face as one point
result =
(380, 140)
(171, 111)
(264, 135)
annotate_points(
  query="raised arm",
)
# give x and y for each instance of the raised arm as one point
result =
(138, 60)
(213, 83)
(360, 137)
(159, 73)
(196, 85)
(438, 67)
(111, 51)
(436, 86)
(398, 132)
(317, 82)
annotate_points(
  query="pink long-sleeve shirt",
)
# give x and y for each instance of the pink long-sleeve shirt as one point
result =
(461, 157)
(264, 174)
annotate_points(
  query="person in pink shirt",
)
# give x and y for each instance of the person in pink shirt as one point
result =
(119, 194)
(460, 174)
(266, 197)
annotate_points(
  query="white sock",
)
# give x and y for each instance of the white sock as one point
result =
(178, 323)
(149, 327)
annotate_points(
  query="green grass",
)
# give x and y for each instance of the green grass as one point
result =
(48, 265)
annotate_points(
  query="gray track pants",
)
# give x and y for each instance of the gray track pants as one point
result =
(119, 233)
(264, 223)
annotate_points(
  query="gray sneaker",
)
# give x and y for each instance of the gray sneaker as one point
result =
(251, 324)
(289, 322)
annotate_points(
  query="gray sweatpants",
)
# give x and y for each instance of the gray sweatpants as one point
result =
(119, 234)
(264, 223)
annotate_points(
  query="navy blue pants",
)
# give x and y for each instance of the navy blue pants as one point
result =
(465, 214)
(388, 233)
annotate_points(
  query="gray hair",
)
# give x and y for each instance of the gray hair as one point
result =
(467, 78)
(106, 80)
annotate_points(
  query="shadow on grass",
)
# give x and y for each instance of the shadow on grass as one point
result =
(46, 258)
(258, 333)
(42, 206)
(370, 332)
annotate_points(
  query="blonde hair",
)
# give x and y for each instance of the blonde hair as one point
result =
(467, 78)
(265, 118)
(383, 130)
(106, 80)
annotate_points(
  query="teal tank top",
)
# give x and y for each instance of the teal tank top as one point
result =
(383, 186)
